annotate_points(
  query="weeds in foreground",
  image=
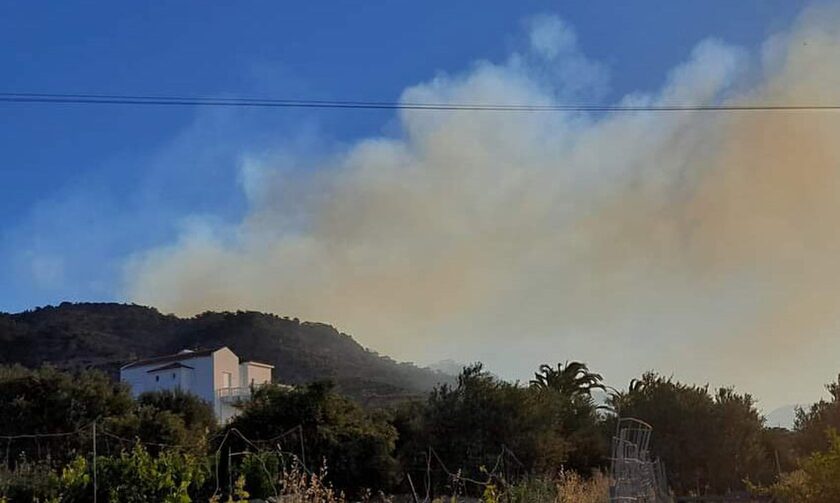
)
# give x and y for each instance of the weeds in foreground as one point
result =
(567, 487)
(299, 486)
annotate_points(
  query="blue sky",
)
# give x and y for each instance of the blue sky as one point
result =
(84, 187)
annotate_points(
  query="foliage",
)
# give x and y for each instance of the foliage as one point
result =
(572, 488)
(137, 476)
(709, 443)
(567, 392)
(812, 423)
(258, 471)
(300, 486)
(48, 401)
(133, 476)
(29, 481)
(780, 448)
(571, 379)
(816, 481)
(566, 487)
(195, 412)
(484, 422)
(358, 444)
(170, 418)
(481, 437)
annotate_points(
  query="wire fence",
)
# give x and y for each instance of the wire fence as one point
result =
(426, 477)
(634, 476)
(53, 450)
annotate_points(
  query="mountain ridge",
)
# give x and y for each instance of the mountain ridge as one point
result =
(107, 335)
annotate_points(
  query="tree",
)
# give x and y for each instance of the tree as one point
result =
(469, 424)
(166, 419)
(709, 443)
(567, 391)
(196, 413)
(483, 422)
(47, 401)
(740, 451)
(572, 379)
(816, 481)
(812, 423)
(357, 445)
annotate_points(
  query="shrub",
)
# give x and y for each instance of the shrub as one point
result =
(816, 481)
(136, 476)
(359, 445)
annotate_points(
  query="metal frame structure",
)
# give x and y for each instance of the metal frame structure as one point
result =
(634, 477)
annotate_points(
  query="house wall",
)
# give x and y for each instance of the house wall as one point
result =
(170, 379)
(254, 373)
(195, 381)
(202, 378)
(224, 360)
(137, 380)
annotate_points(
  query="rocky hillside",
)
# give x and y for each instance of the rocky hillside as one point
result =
(108, 335)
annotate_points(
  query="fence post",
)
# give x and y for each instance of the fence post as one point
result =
(94, 462)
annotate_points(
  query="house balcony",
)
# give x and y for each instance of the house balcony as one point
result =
(234, 395)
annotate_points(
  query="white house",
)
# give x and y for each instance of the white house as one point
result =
(214, 375)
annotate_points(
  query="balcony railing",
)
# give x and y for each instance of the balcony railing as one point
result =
(241, 393)
(237, 394)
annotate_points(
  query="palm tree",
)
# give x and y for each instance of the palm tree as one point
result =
(571, 378)
(617, 398)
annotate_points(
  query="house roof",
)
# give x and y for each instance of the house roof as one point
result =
(258, 364)
(178, 357)
(173, 365)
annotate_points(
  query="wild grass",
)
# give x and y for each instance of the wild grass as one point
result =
(300, 486)
(566, 487)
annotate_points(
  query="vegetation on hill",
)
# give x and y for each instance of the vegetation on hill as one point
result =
(85, 335)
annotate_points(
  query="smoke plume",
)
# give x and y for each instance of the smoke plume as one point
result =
(699, 243)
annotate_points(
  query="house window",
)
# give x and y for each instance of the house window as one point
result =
(157, 378)
(226, 380)
(173, 375)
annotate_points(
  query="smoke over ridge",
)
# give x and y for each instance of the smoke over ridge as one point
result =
(694, 242)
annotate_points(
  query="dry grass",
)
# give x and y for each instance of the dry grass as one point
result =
(572, 488)
(298, 486)
(566, 487)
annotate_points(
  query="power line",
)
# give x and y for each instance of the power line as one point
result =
(152, 100)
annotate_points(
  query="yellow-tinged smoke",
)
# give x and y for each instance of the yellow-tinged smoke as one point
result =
(702, 243)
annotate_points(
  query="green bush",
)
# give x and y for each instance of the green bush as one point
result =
(816, 481)
(357, 444)
(133, 476)
(710, 442)
(170, 418)
(136, 476)
(483, 421)
(29, 481)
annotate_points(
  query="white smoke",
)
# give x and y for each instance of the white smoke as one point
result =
(692, 242)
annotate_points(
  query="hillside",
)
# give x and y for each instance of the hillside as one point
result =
(106, 335)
